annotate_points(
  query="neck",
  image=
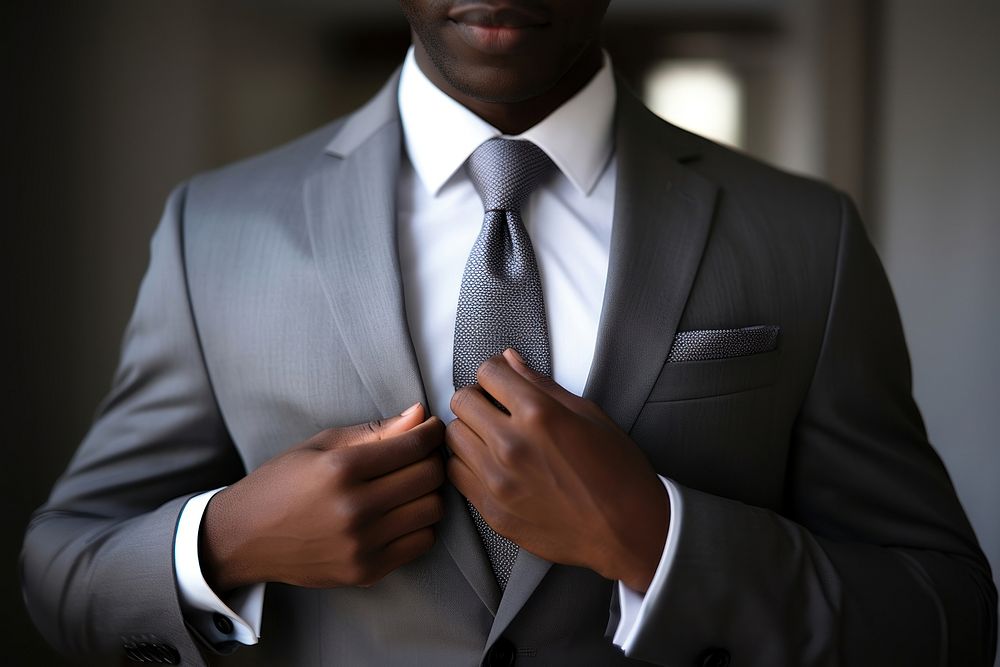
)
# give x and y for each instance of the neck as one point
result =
(516, 117)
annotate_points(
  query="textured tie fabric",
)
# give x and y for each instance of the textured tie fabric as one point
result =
(500, 304)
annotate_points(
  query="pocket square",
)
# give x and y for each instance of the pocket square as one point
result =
(706, 344)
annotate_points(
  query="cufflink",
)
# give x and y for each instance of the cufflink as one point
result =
(222, 623)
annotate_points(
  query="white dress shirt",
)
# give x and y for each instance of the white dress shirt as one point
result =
(569, 219)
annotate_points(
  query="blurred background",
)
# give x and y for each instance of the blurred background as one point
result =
(109, 103)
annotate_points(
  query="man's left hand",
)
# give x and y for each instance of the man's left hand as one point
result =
(556, 475)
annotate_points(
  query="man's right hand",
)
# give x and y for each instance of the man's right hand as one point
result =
(344, 508)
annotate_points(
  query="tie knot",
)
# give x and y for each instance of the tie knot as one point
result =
(505, 171)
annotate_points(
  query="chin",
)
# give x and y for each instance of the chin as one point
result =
(508, 79)
(501, 65)
(500, 86)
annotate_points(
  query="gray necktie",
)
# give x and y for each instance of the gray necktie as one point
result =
(500, 304)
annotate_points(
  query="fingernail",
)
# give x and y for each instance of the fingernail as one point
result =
(514, 353)
(410, 410)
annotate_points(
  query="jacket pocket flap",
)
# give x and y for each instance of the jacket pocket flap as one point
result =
(714, 377)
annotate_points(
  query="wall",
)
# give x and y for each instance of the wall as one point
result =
(939, 171)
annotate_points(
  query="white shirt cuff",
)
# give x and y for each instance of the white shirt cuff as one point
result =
(216, 621)
(632, 604)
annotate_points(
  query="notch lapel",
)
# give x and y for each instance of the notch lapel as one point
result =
(460, 537)
(528, 572)
(350, 203)
(663, 213)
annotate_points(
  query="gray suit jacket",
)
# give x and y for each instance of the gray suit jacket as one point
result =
(819, 527)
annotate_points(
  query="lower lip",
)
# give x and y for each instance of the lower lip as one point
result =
(495, 40)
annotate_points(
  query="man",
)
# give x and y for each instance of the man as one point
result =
(683, 430)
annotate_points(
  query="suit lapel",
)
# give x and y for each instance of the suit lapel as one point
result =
(459, 536)
(663, 213)
(351, 212)
(350, 203)
(662, 217)
(528, 572)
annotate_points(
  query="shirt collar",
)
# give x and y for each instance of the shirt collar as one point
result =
(440, 133)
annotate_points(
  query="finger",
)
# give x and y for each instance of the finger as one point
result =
(541, 381)
(401, 486)
(477, 411)
(409, 418)
(379, 458)
(467, 445)
(404, 549)
(466, 481)
(566, 398)
(419, 513)
(377, 429)
(382, 429)
(469, 485)
(511, 388)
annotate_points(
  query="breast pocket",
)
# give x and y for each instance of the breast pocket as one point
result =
(684, 380)
(709, 425)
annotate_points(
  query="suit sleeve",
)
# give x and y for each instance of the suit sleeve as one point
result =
(97, 563)
(871, 560)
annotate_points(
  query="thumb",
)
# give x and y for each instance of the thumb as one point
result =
(380, 429)
(401, 423)
(543, 382)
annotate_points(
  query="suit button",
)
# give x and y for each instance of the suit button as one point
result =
(714, 657)
(501, 654)
(222, 623)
